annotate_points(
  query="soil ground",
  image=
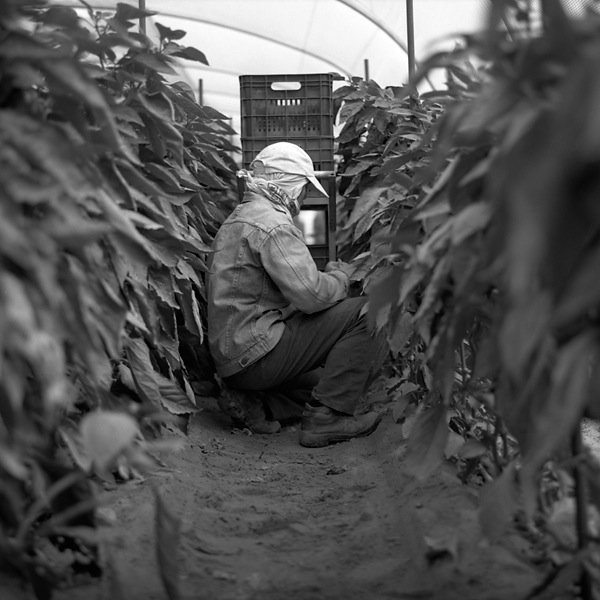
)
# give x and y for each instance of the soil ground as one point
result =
(262, 518)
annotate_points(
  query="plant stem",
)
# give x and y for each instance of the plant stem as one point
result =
(463, 363)
(582, 516)
(41, 504)
(497, 434)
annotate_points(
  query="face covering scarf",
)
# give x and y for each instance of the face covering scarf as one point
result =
(284, 193)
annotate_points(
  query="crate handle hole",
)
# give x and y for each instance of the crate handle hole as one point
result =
(280, 86)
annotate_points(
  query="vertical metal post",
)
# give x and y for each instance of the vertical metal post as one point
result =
(331, 220)
(410, 37)
(142, 6)
(201, 92)
(366, 69)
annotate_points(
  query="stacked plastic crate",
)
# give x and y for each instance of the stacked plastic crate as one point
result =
(298, 109)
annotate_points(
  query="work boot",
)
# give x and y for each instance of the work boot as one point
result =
(246, 411)
(322, 425)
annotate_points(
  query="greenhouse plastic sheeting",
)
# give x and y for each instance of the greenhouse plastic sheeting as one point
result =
(245, 37)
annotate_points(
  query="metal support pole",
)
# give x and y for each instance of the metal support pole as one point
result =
(142, 6)
(410, 37)
(366, 69)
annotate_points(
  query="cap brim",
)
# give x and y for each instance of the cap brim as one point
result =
(319, 187)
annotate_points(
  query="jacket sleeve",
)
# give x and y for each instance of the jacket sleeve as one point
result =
(288, 261)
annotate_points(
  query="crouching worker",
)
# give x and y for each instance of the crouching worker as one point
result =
(286, 340)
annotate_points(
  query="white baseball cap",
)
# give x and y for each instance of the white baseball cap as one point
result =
(285, 157)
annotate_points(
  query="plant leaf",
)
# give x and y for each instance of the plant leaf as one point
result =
(454, 444)
(119, 218)
(136, 179)
(73, 78)
(169, 34)
(143, 372)
(401, 333)
(190, 53)
(525, 324)
(208, 177)
(16, 46)
(191, 310)
(582, 293)
(365, 203)
(434, 288)
(162, 282)
(61, 15)
(383, 292)
(163, 174)
(105, 435)
(469, 221)
(172, 397)
(127, 12)
(472, 449)
(499, 503)
(570, 393)
(427, 441)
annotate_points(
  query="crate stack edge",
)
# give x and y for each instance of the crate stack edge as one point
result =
(295, 108)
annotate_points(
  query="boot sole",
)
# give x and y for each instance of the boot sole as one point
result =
(320, 440)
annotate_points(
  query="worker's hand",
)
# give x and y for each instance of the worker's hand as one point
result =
(339, 265)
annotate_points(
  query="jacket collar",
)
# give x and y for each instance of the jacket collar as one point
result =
(254, 197)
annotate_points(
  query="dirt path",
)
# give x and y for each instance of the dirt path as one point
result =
(264, 518)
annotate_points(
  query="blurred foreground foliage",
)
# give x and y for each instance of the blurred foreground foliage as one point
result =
(113, 181)
(473, 216)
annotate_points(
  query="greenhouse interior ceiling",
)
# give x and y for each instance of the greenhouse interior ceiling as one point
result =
(371, 39)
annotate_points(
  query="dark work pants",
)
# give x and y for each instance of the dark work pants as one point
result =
(330, 356)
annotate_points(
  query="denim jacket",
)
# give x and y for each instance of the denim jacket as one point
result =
(261, 272)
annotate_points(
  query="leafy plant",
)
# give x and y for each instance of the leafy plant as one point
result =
(113, 181)
(392, 157)
(483, 245)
